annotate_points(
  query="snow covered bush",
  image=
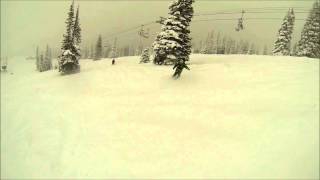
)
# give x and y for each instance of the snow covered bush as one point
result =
(69, 62)
(282, 44)
(145, 57)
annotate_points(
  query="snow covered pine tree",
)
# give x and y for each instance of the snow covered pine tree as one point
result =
(37, 59)
(208, 48)
(265, 50)
(69, 60)
(114, 52)
(48, 59)
(282, 44)
(145, 56)
(98, 53)
(173, 44)
(41, 63)
(309, 44)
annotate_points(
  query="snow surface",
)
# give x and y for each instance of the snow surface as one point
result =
(229, 117)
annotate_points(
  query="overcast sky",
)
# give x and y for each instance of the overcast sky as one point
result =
(28, 23)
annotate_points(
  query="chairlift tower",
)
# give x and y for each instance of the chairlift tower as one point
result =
(142, 35)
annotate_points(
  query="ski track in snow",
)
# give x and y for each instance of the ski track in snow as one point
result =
(234, 116)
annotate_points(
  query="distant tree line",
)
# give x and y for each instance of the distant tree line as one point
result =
(217, 43)
(107, 50)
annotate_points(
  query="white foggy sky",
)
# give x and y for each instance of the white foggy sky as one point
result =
(26, 24)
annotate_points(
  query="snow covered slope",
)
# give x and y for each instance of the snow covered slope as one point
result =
(229, 117)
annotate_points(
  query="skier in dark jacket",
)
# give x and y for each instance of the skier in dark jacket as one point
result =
(179, 68)
(4, 65)
(113, 61)
(4, 68)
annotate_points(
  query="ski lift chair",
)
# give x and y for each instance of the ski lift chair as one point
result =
(240, 23)
(143, 34)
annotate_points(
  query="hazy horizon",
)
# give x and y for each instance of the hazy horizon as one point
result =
(27, 24)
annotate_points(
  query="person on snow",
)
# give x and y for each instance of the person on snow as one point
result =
(113, 61)
(179, 68)
(4, 65)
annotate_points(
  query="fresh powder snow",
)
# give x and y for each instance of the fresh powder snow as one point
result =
(231, 116)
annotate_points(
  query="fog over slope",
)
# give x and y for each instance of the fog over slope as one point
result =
(26, 24)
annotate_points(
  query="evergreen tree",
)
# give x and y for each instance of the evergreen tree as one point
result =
(218, 43)
(240, 46)
(265, 50)
(309, 44)
(208, 47)
(68, 37)
(114, 51)
(252, 49)
(41, 63)
(46, 59)
(98, 53)
(145, 57)
(50, 58)
(237, 48)
(244, 47)
(228, 46)
(257, 50)
(196, 51)
(139, 48)
(294, 49)
(76, 29)
(107, 52)
(91, 52)
(69, 59)
(86, 53)
(200, 46)
(132, 50)
(203, 49)
(222, 47)
(282, 44)
(233, 47)
(120, 52)
(126, 50)
(174, 42)
(52, 53)
(47, 65)
(37, 59)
